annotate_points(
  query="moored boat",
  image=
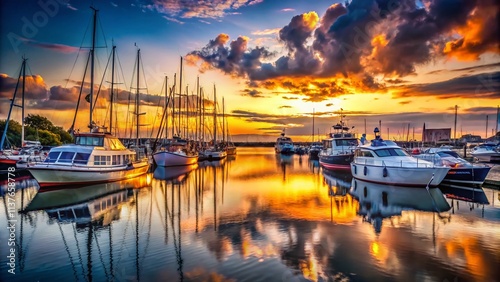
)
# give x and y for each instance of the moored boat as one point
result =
(487, 152)
(383, 161)
(461, 171)
(284, 145)
(338, 150)
(176, 153)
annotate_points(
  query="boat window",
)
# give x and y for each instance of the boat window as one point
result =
(327, 144)
(390, 152)
(346, 142)
(66, 157)
(52, 157)
(108, 160)
(99, 160)
(114, 160)
(81, 158)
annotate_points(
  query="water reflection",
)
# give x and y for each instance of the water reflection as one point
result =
(242, 220)
(378, 201)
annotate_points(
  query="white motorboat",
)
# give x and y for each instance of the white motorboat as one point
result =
(383, 161)
(487, 152)
(95, 157)
(338, 150)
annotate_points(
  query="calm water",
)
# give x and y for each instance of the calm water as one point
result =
(256, 217)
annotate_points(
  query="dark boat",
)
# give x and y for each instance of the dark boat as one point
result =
(338, 150)
(461, 173)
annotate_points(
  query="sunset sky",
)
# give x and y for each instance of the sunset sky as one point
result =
(274, 62)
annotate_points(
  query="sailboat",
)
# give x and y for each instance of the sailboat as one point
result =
(178, 151)
(216, 151)
(30, 151)
(95, 157)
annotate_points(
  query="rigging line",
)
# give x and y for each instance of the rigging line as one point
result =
(79, 50)
(79, 253)
(124, 83)
(69, 253)
(102, 81)
(99, 251)
(72, 128)
(157, 108)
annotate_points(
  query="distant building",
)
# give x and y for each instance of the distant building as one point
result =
(469, 138)
(436, 134)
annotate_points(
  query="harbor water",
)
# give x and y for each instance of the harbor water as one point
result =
(256, 216)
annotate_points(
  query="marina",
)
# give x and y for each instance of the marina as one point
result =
(259, 216)
(195, 141)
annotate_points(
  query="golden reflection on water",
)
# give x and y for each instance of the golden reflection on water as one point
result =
(249, 213)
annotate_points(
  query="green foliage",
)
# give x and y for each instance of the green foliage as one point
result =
(13, 133)
(38, 121)
(36, 128)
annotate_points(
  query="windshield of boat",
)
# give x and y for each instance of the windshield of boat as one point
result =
(346, 142)
(389, 152)
(448, 153)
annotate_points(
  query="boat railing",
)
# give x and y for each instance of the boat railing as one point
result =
(401, 163)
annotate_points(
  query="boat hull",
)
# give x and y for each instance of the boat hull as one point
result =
(466, 176)
(342, 162)
(173, 159)
(53, 177)
(488, 157)
(400, 176)
(214, 155)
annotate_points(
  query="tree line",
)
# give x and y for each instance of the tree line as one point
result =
(36, 128)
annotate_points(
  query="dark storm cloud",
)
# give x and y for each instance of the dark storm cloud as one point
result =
(358, 41)
(252, 93)
(479, 86)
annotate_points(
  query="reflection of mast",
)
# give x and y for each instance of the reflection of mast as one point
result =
(137, 235)
(89, 252)
(215, 198)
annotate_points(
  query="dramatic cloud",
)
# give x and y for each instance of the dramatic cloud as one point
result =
(357, 44)
(198, 9)
(479, 86)
(35, 87)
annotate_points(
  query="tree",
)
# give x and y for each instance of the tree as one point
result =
(13, 133)
(38, 122)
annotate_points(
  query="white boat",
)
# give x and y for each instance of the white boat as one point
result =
(284, 145)
(176, 153)
(95, 157)
(385, 162)
(487, 152)
(213, 154)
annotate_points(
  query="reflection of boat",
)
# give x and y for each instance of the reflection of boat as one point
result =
(284, 145)
(51, 199)
(467, 194)
(338, 182)
(378, 201)
(338, 150)
(169, 173)
(487, 152)
(461, 171)
(382, 161)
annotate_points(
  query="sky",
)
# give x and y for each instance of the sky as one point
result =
(279, 65)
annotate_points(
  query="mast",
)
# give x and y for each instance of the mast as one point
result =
(137, 100)
(486, 135)
(196, 135)
(313, 126)
(112, 86)
(7, 121)
(498, 115)
(215, 116)
(180, 97)
(22, 102)
(223, 121)
(166, 107)
(455, 130)
(92, 62)
(173, 105)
